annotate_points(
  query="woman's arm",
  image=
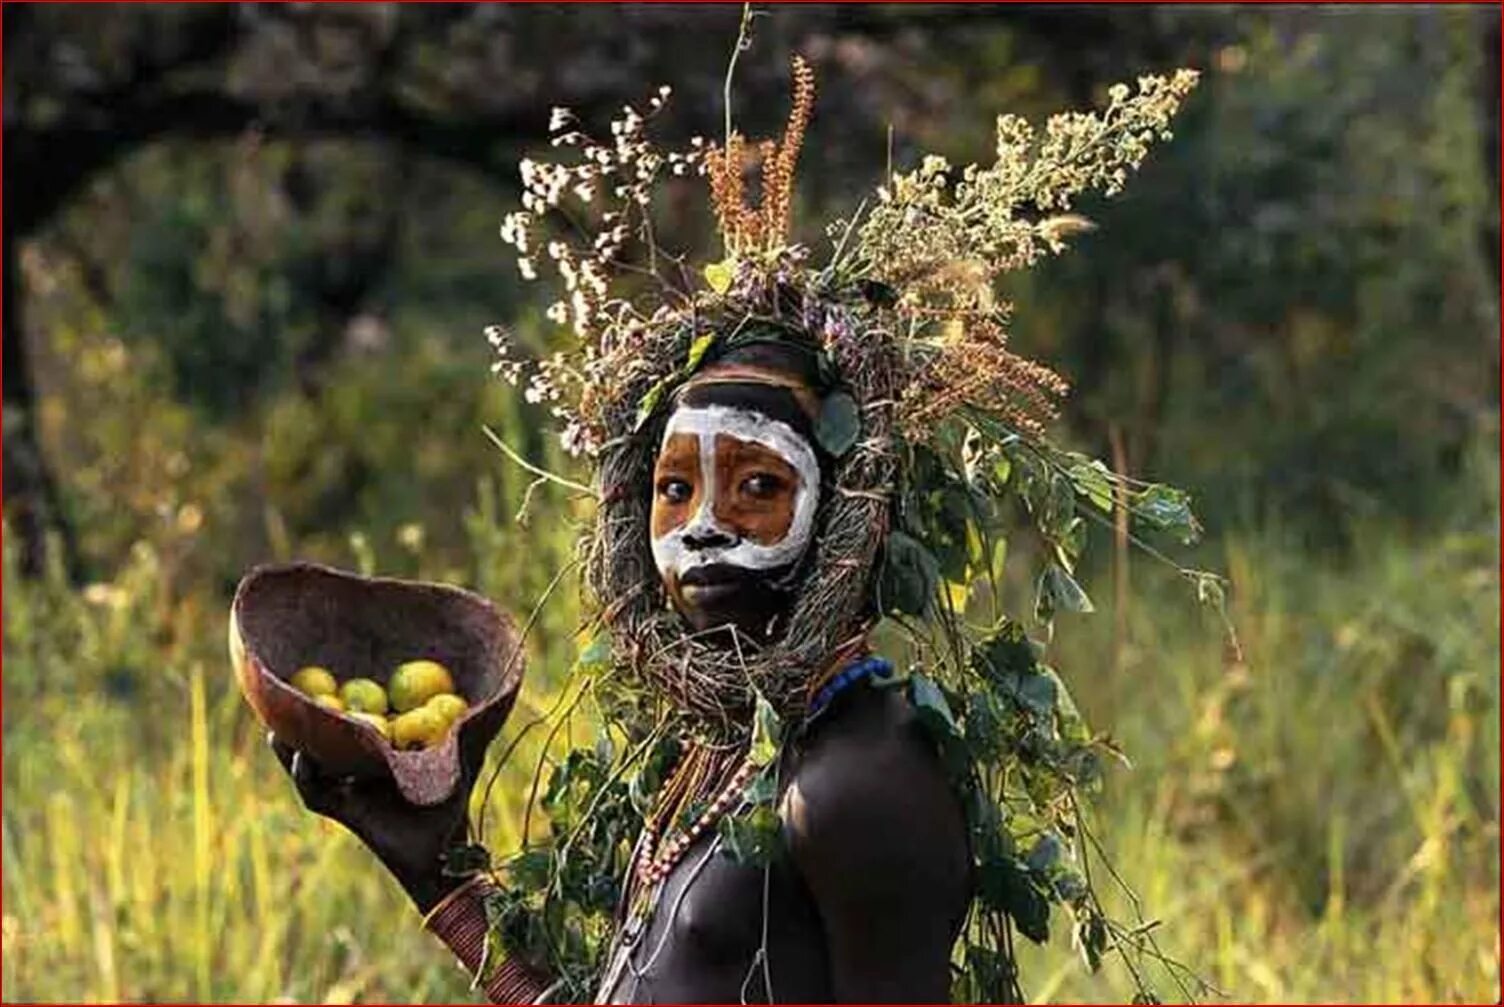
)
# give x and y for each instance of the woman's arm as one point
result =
(879, 837)
(460, 922)
(411, 842)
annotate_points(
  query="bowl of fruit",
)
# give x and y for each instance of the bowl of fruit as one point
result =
(374, 676)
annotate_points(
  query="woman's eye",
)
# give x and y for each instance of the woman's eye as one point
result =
(675, 490)
(762, 484)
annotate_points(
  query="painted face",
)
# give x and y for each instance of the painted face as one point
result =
(734, 499)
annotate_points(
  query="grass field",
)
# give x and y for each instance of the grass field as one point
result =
(1317, 823)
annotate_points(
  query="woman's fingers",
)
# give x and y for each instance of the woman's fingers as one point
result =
(320, 793)
(283, 752)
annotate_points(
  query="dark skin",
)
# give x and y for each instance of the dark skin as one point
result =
(409, 841)
(863, 908)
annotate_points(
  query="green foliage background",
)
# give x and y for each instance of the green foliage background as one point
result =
(257, 344)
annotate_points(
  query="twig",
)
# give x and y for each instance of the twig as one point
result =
(743, 41)
(485, 801)
(535, 470)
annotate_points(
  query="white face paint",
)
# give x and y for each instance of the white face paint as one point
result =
(670, 552)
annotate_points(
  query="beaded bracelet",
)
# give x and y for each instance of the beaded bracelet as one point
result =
(459, 920)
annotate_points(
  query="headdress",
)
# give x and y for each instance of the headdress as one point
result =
(931, 418)
(903, 312)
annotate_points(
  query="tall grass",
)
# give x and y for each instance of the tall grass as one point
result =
(1321, 821)
(1318, 822)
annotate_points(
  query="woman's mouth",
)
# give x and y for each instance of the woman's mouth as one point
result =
(706, 586)
(707, 595)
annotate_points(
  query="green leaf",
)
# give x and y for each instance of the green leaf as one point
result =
(930, 702)
(1072, 724)
(649, 403)
(1045, 854)
(643, 785)
(1036, 692)
(1059, 508)
(910, 573)
(1002, 468)
(530, 869)
(951, 522)
(933, 713)
(764, 787)
(596, 657)
(1007, 652)
(767, 733)
(1059, 592)
(1073, 541)
(1093, 479)
(697, 351)
(985, 726)
(1169, 510)
(1004, 884)
(753, 838)
(839, 424)
(718, 275)
(462, 861)
(1089, 935)
(1070, 887)
(989, 839)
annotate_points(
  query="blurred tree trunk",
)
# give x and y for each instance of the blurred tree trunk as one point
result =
(31, 497)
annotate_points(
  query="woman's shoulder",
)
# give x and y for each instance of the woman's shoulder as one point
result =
(869, 807)
(868, 762)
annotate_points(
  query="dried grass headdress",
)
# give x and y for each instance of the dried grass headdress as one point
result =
(903, 310)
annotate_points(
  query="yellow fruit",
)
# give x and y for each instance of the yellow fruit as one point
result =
(418, 728)
(314, 681)
(376, 720)
(332, 702)
(416, 682)
(447, 705)
(363, 695)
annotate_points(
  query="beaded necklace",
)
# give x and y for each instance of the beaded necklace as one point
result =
(704, 778)
(714, 780)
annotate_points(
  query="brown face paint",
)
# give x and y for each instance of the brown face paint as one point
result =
(677, 488)
(755, 490)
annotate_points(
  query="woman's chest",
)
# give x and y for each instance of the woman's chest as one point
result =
(720, 931)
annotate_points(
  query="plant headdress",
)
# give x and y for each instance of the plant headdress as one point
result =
(935, 425)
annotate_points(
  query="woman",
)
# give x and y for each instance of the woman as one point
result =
(783, 457)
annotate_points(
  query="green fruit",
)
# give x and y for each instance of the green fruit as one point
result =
(447, 705)
(418, 728)
(376, 720)
(416, 682)
(363, 696)
(332, 702)
(314, 681)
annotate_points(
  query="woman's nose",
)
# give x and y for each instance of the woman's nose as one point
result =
(708, 537)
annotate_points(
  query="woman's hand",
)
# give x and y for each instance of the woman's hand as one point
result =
(409, 840)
